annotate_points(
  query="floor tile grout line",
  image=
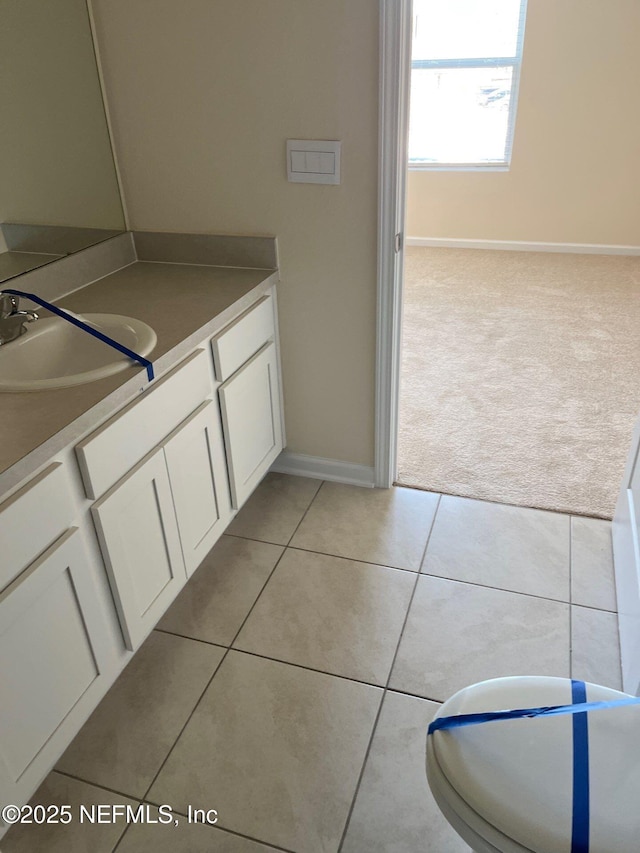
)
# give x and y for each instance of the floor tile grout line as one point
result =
(425, 574)
(187, 721)
(413, 593)
(308, 668)
(571, 560)
(146, 801)
(569, 512)
(419, 570)
(434, 521)
(118, 842)
(571, 605)
(415, 695)
(216, 670)
(355, 560)
(233, 648)
(224, 829)
(187, 637)
(429, 574)
(214, 827)
(257, 598)
(597, 609)
(280, 544)
(342, 557)
(97, 785)
(315, 669)
(304, 515)
(386, 687)
(255, 539)
(362, 769)
(498, 588)
(592, 606)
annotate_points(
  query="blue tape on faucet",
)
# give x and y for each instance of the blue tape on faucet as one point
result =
(579, 708)
(86, 328)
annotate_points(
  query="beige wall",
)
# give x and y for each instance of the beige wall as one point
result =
(56, 166)
(203, 95)
(575, 172)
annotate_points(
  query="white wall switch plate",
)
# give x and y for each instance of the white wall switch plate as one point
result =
(313, 161)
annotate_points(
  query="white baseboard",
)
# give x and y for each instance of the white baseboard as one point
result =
(515, 246)
(324, 469)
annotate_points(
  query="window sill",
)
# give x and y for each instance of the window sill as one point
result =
(416, 166)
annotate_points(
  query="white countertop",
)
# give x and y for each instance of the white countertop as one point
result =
(185, 305)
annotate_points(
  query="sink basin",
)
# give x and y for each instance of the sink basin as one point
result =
(56, 354)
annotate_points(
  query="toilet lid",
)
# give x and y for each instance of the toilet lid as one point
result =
(518, 774)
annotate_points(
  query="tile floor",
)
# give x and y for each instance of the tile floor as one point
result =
(290, 685)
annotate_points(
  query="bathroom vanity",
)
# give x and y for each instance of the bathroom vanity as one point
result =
(112, 493)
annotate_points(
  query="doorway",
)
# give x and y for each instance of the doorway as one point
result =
(537, 322)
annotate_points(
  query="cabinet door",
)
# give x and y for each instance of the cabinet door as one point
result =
(199, 484)
(250, 404)
(55, 663)
(138, 533)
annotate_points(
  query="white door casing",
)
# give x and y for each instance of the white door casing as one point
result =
(394, 87)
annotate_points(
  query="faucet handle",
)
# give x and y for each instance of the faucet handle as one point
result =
(8, 304)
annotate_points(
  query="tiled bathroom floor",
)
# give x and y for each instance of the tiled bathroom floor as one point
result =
(290, 685)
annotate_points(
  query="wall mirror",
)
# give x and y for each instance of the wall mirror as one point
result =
(58, 187)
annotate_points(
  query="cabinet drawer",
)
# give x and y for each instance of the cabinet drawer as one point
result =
(107, 454)
(54, 662)
(243, 338)
(32, 519)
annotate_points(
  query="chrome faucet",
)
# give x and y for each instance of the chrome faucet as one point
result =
(13, 322)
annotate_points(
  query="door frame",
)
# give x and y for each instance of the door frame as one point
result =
(394, 87)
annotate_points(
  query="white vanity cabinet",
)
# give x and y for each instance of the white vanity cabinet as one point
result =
(159, 483)
(156, 523)
(246, 362)
(56, 658)
(169, 470)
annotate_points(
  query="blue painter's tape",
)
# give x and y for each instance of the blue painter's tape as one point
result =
(579, 708)
(461, 720)
(580, 820)
(86, 328)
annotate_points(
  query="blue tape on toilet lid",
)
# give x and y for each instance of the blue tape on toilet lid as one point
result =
(518, 774)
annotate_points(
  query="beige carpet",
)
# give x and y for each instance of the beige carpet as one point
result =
(520, 376)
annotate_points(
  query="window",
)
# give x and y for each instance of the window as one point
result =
(464, 82)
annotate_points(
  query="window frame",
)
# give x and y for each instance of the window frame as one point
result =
(513, 62)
